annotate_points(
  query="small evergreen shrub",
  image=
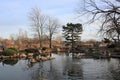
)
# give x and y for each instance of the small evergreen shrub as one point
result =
(10, 51)
(14, 49)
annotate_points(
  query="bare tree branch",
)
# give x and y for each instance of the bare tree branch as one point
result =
(38, 22)
(109, 14)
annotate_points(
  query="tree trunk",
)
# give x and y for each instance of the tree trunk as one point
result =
(72, 42)
(39, 39)
(50, 45)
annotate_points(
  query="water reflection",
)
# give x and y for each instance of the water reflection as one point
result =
(62, 68)
(11, 62)
(75, 72)
(115, 69)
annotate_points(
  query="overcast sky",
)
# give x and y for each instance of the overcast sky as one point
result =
(14, 15)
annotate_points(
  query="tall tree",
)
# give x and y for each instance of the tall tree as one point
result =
(72, 33)
(52, 27)
(38, 21)
(107, 12)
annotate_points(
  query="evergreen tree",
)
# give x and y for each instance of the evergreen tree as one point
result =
(71, 34)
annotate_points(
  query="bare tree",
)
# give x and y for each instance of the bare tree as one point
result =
(108, 13)
(38, 21)
(52, 27)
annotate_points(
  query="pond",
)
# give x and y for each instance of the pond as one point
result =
(61, 68)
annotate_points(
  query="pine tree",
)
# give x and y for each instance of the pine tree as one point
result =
(72, 34)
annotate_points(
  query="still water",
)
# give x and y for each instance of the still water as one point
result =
(61, 68)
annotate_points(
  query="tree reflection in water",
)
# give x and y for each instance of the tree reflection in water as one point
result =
(75, 72)
(65, 68)
(62, 68)
(115, 70)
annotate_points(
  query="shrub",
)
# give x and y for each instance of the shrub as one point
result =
(44, 48)
(14, 49)
(31, 50)
(10, 51)
(111, 46)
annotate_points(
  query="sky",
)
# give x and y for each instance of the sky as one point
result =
(14, 15)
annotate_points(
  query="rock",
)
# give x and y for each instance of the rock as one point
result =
(32, 60)
(14, 56)
(43, 79)
(44, 58)
(38, 57)
(30, 55)
(5, 57)
(50, 58)
(40, 51)
(22, 55)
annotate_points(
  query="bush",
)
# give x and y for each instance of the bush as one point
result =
(10, 51)
(31, 50)
(111, 46)
(44, 48)
(14, 49)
